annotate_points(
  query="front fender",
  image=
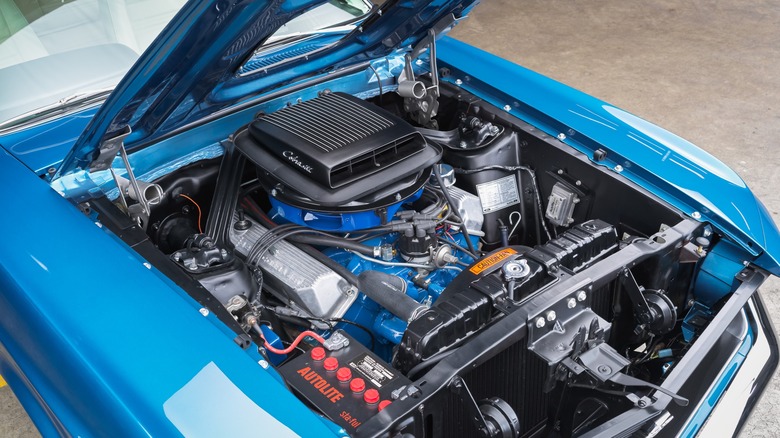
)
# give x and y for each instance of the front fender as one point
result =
(97, 342)
(670, 167)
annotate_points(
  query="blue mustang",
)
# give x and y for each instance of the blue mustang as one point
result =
(312, 218)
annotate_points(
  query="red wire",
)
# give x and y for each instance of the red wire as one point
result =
(294, 344)
(200, 230)
(252, 205)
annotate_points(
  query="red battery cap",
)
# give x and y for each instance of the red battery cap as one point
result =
(371, 396)
(318, 353)
(357, 385)
(384, 403)
(344, 374)
(330, 364)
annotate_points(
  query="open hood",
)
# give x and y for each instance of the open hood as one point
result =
(194, 67)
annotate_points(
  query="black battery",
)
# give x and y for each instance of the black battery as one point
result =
(348, 386)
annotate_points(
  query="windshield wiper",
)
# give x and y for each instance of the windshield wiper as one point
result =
(64, 104)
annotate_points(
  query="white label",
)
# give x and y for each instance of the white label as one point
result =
(498, 194)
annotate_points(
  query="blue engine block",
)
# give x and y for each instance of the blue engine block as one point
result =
(343, 222)
(387, 328)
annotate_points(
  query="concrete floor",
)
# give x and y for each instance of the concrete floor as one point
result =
(705, 70)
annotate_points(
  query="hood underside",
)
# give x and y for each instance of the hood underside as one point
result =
(193, 68)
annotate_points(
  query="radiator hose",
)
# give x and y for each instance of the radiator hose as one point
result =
(389, 291)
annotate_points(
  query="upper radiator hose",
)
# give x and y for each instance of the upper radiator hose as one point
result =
(389, 291)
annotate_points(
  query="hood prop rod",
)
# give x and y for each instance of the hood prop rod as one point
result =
(140, 191)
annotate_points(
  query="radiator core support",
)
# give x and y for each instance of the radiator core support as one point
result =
(475, 296)
(482, 360)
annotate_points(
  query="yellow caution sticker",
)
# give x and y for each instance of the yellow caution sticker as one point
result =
(491, 260)
(2, 382)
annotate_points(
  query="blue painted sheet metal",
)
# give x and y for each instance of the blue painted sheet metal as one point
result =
(43, 146)
(667, 165)
(717, 276)
(104, 339)
(189, 71)
(203, 141)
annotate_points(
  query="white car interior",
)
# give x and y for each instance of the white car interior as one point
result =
(90, 44)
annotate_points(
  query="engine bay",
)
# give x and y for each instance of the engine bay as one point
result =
(422, 262)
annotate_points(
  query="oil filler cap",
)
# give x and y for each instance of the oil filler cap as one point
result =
(371, 396)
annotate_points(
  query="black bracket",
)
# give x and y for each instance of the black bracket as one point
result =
(641, 309)
(604, 364)
(653, 309)
(485, 428)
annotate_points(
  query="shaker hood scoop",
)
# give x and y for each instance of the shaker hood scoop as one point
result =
(191, 70)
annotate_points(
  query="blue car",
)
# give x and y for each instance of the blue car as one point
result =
(327, 218)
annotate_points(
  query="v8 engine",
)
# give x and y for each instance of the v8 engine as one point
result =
(444, 271)
(371, 175)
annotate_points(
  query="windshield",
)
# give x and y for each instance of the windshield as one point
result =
(62, 52)
(59, 55)
(333, 13)
(311, 31)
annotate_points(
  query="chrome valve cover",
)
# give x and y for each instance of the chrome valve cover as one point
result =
(296, 277)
